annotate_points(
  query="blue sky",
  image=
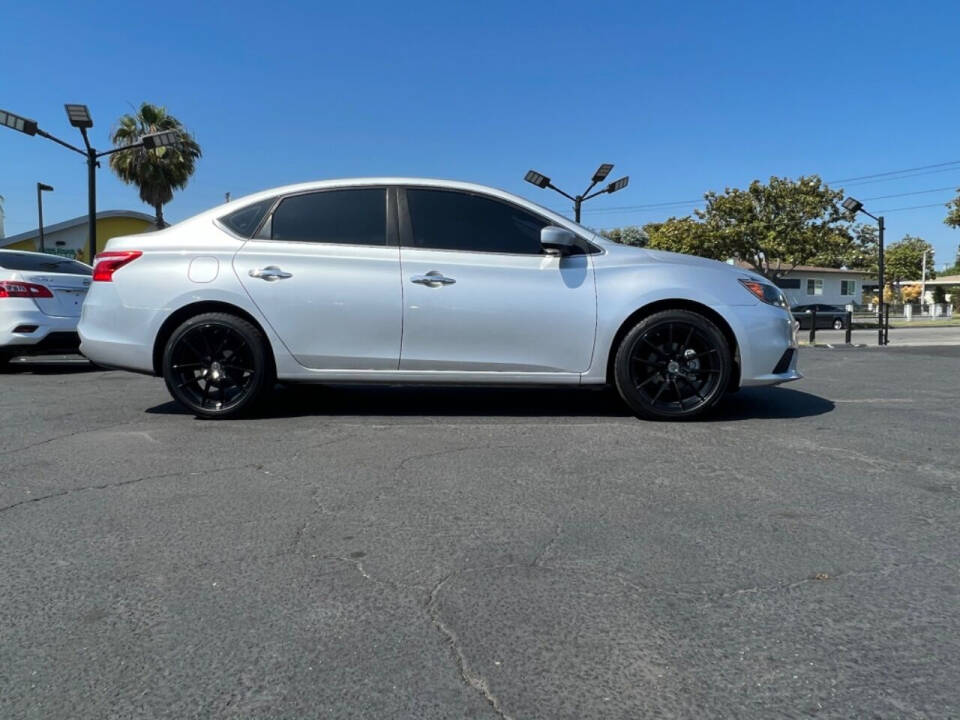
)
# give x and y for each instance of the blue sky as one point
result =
(683, 97)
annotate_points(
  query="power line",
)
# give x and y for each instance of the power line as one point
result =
(894, 172)
(911, 207)
(951, 188)
(692, 203)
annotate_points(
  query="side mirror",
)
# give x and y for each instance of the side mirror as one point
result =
(558, 241)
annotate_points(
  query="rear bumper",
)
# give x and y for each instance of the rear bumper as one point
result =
(38, 334)
(115, 335)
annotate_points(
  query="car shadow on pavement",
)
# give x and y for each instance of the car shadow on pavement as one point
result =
(392, 400)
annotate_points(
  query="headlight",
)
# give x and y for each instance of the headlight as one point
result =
(770, 294)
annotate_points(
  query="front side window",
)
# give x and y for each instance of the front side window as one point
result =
(814, 286)
(351, 217)
(451, 220)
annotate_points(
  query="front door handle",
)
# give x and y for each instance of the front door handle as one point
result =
(270, 273)
(432, 279)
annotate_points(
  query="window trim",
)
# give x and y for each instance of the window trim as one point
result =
(406, 223)
(389, 229)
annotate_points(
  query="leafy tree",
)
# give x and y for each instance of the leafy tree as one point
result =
(628, 235)
(773, 227)
(953, 216)
(904, 260)
(939, 294)
(157, 173)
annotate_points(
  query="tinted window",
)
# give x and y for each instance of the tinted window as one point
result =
(788, 283)
(245, 220)
(39, 262)
(355, 217)
(458, 221)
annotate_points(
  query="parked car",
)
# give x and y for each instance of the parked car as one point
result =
(828, 316)
(40, 300)
(425, 281)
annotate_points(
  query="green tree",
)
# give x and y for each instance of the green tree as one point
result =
(156, 173)
(772, 227)
(628, 235)
(953, 216)
(904, 260)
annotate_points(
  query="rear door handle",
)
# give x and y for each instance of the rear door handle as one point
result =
(432, 279)
(270, 273)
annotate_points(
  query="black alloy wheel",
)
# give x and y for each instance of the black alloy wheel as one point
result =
(675, 364)
(217, 365)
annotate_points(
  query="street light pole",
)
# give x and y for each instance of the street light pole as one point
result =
(91, 198)
(542, 181)
(40, 189)
(882, 339)
(853, 206)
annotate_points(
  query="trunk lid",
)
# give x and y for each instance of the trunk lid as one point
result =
(68, 291)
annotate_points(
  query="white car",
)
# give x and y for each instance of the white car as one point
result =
(396, 280)
(40, 300)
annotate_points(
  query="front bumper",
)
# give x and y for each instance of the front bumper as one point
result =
(767, 336)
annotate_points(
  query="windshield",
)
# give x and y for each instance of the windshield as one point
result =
(41, 262)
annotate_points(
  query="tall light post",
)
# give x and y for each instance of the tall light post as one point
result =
(853, 206)
(542, 181)
(41, 188)
(79, 116)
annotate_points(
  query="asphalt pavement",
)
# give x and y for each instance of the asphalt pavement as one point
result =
(482, 553)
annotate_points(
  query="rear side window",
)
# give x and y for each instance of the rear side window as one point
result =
(247, 219)
(353, 217)
(451, 220)
(41, 262)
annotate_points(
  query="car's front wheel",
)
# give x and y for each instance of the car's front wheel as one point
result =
(217, 365)
(673, 365)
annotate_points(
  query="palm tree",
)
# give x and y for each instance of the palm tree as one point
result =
(157, 173)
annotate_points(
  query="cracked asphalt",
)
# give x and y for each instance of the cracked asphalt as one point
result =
(483, 553)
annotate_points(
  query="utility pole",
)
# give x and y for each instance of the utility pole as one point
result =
(881, 336)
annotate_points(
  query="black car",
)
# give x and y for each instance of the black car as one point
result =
(828, 316)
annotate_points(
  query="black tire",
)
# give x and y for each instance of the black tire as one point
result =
(218, 365)
(838, 324)
(673, 365)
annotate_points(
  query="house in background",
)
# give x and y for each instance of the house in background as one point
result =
(69, 238)
(808, 285)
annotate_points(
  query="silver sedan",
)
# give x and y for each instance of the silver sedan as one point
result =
(399, 280)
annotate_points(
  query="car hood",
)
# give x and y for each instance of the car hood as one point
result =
(637, 255)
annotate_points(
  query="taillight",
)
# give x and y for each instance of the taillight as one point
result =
(17, 289)
(107, 263)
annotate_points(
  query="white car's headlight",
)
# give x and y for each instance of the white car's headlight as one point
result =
(770, 294)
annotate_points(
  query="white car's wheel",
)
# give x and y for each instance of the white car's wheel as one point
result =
(673, 365)
(217, 365)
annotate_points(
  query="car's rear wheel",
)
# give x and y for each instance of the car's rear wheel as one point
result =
(217, 365)
(838, 324)
(673, 365)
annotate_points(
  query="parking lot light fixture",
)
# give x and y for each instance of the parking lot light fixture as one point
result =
(541, 181)
(166, 138)
(853, 206)
(79, 116)
(601, 174)
(18, 123)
